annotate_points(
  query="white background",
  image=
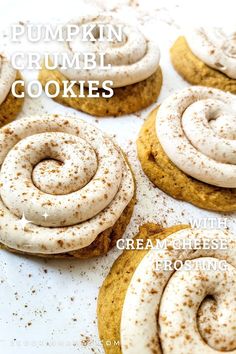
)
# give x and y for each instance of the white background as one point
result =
(49, 306)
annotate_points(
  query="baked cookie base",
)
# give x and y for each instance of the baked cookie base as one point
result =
(126, 100)
(112, 293)
(193, 70)
(166, 176)
(11, 106)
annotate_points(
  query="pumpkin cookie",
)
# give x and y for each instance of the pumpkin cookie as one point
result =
(206, 57)
(186, 148)
(134, 71)
(66, 188)
(146, 307)
(10, 106)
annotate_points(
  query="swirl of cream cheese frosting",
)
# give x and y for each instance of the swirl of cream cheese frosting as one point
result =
(131, 60)
(64, 176)
(7, 77)
(197, 130)
(215, 46)
(188, 310)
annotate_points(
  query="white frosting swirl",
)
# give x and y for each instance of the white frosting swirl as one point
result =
(7, 77)
(63, 175)
(132, 60)
(182, 311)
(216, 47)
(197, 130)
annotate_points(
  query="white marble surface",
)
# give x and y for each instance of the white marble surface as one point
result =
(50, 306)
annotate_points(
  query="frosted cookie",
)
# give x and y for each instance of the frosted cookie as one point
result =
(189, 307)
(66, 189)
(10, 106)
(187, 148)
(134, 70)
(207, 56)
